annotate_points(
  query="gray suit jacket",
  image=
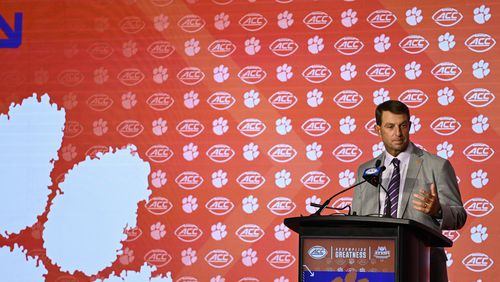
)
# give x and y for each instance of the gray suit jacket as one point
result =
(423, 169)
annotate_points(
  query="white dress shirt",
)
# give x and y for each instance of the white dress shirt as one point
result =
(404, 158)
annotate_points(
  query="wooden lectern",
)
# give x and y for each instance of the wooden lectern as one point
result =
(376, 248)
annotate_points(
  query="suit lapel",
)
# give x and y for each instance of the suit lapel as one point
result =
(414, 166)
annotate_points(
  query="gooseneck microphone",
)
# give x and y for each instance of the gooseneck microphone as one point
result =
(375, 179)
(369, 175)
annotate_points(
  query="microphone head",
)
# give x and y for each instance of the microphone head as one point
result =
(378, 162)
(372, 175)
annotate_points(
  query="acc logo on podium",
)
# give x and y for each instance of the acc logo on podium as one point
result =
(317, 252)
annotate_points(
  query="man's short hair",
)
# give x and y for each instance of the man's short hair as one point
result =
(393, 106)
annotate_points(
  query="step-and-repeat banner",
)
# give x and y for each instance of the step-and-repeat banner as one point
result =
(170, 138)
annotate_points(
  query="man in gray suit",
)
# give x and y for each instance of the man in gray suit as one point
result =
(421, 186)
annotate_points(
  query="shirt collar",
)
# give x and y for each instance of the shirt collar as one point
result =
(403, 157)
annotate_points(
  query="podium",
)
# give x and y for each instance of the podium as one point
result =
(373, 248)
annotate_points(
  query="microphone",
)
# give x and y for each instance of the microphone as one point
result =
(373, 175)
(369, 172)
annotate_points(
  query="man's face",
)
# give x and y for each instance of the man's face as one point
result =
(394, 131)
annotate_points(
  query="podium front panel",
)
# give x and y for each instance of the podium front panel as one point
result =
(330, 258)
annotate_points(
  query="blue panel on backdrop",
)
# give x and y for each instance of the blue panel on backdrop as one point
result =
(321, 276)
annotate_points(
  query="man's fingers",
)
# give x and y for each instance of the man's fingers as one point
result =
(420, 197)
(433, 190)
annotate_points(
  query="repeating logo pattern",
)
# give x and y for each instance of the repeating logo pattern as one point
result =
(254, 113)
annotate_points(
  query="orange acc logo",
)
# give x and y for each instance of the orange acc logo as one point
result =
(479, 97)
(283, 47)
(452, 234)
(219, 205)
(478, 152)
(130, 128)
(347, 153)
(188, 232)
(189, 180)
(317, 20)
(70, 77)
(158, 205)
(381, 19)
(219, 258)
(413, 98)
(478, 207)
(280, 259)
(281, 206)
(100, 50)
(96, 149)
(160, 101)
(341, 203)
(253, 21)
(132, 25)
(251, 127)
(220, 153)
(72, 129)
(158, 257)
(221, 101)
(480, 42)
(190, 128)
(348, 99)
(133, 234)
(282, 153)
(445, 126)
(162, 3)
(414, 44)
(161, 49)
(191, 23)
(380, 72)
(316, 73)
(348, 45)
(447, 17)
(99, 102)
(250, 180)
(283, 100)
(159, 153)
(190, 75)
(316, 127)
(252, 74)
(446, 71)
(221, 48)
(370, 127)
(130, 76)
(315, 180)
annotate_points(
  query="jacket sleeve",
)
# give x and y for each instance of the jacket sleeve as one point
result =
(453, 212)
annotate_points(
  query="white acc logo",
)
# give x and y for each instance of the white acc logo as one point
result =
(348, 99)
(317, 20)
(316, 127)
(315, 180)
(445, 126)
(282, 153)
(478, 152)
(280, 259)
(317, 252)
(477, 262)
(281, 206)
(479, 97)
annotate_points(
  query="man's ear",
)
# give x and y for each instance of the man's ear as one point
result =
(377, 129)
